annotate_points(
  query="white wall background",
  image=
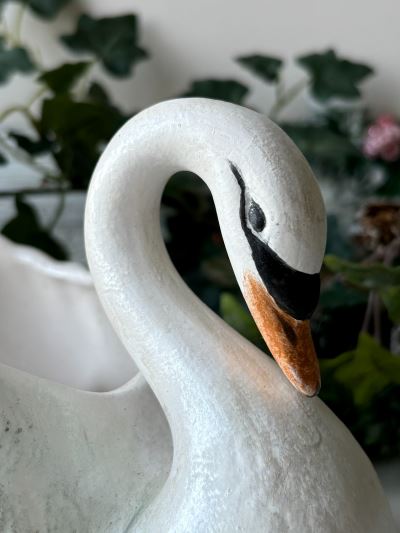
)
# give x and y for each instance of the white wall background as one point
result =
(196, 39)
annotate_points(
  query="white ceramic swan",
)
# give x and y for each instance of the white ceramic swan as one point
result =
(250, 453)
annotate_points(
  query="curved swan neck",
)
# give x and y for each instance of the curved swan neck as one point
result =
(176, 341)
(183, 349)
(238, 427)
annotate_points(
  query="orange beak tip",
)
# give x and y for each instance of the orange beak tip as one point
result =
(288, 339)
(307, 383)
(310, 392)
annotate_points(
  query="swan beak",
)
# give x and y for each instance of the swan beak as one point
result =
(288, 339)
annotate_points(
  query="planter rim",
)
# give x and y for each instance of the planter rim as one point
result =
(63, 270)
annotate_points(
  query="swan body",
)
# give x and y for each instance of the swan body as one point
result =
(229, 444)
(77, 461)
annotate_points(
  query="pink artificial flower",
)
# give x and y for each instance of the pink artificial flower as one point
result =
(383, 139)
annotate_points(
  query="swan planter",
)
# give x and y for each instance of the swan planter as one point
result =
(52, 324)
(230, 444)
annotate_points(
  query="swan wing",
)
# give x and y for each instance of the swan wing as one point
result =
(77, 461)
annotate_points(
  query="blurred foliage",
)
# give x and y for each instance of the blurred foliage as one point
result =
(356, 325)
(362, 386)
(62, 79)
(334, 77)
(12, 60)
(323, 146)
(227, 90)
(265, 67)
(46, 9)
(233, 312)
(112, 40)
(366, 370)
(366, 276)
(25, 227)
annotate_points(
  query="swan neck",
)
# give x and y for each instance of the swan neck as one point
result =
(176, 341)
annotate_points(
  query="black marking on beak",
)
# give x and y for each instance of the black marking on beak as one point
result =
(295, 292)
(289, 331)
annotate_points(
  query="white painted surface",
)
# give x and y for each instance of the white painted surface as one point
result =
(52, 324)
(240, 433)
(31, 264)
(249, 452)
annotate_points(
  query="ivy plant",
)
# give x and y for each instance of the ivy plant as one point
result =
(76, 116)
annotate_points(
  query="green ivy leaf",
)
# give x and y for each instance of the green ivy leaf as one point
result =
(233, 312)
(265, 67)
(227, 90)
(365, 371)
(112, 40)
(63, 78)
(33, 147)
(334, 77)
(79, 131)
(391, 298)
(381, 278)
(338, 296)
(98, 94)
(13, 60)
(25, 228)
(46, 9)
(89, 121)
(371, 277)
(321, 145)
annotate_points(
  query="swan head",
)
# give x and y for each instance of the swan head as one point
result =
(268, 203)
(281, 220)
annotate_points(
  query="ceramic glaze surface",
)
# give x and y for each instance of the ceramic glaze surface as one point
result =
(229, 445)
(52, 324)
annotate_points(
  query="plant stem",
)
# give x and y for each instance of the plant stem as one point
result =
(24, 109)
(26, 159)
(58, 212)
(286, 97)
(377, 317)
(15, 109)
(373, 311)
(279, 91)
(4, 30)
(83, 83)
(18, 109)
(13, 37)
(368, 313)
(391, 252)
(35, 191)
(18, 24)
(35, 53)
(40, 92)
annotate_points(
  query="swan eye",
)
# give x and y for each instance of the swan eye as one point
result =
(256, 217)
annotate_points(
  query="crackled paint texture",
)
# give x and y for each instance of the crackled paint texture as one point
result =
(229, 445)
